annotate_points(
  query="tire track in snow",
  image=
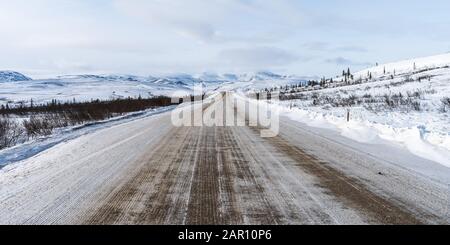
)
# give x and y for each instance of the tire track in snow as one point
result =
(145, 196)
(346, 189)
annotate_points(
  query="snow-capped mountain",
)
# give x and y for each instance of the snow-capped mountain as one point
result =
(214, 77)
(8, 76)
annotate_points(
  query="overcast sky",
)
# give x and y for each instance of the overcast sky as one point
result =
(145, 37)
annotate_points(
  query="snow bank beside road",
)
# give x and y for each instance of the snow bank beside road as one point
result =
(417, 140)
(406, 102)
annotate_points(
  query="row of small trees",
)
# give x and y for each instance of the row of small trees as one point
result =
(347, 79)
(10, 132)
(43, 119)
(93, 107)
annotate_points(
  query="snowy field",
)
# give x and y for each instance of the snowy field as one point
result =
(86, 88)
(16, 88)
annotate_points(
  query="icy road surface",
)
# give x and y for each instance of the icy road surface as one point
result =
(150, 172)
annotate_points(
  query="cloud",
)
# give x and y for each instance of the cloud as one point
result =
(153, 36)
(354, 49)
(178, 16)
(317, 46)
(213, 20)
(258, 57)
(345, 61)
(339, 61)
(328, 47)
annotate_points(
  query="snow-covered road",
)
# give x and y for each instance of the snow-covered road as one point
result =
(150, 172)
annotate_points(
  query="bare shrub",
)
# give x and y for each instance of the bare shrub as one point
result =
(38, 126)
(416, 105)
(43, 119)
(398, 101)
(408, 79)
(93, 110)
(445, 104)
(10, 132)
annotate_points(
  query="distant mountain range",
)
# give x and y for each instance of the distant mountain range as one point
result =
(18, 88)
(175, 79)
